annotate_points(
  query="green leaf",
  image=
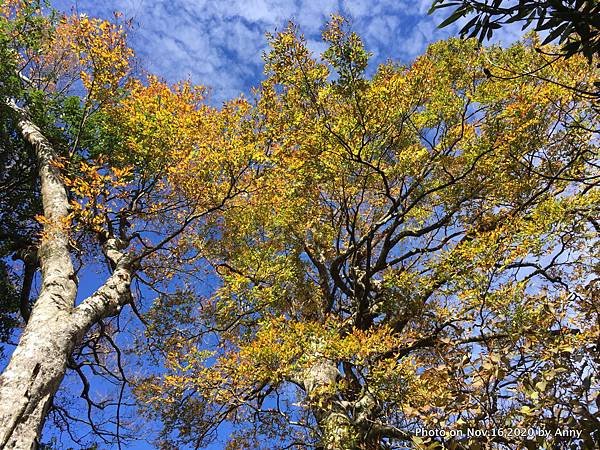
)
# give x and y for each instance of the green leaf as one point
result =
(460, 12)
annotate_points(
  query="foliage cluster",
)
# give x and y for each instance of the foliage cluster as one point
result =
(412, 249)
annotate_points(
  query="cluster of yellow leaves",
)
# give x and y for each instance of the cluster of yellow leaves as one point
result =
(11, 8)
(170, 132)
(76, 49)
(94, 50)
(53, 227)
(97, 190)
(281, 351)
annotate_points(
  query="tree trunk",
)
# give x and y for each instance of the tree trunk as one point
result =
(344, 425)
(55, 326)
(30, 381)
(319, 382)
(39, 362)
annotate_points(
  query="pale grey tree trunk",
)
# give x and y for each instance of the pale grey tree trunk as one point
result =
(38, 364)
(320, 382)
(30, 381)
(343, 425)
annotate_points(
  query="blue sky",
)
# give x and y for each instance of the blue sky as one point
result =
(219, 43)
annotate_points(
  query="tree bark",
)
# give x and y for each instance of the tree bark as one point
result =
(56, 325)
(344, 425)
(319, 382)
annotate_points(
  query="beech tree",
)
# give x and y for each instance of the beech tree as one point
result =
(417, 250)
(410, 250)
(98, 171)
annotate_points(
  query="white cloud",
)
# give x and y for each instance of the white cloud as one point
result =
(220, 43)
(358, 8)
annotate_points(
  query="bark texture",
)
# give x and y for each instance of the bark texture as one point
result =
(344, 424)
(319, 382)
(55, 325)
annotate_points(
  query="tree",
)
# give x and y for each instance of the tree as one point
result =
(575, 23)
(108, 158)
(417, 251)
(19, 204)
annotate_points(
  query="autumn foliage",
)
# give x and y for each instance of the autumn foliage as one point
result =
(417, 251)
(122, 171)
(352, 255)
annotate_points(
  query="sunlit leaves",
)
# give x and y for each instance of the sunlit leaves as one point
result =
(92, 50)
(412, 249)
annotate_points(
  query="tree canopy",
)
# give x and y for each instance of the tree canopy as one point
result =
(418, 250)
(103, 170)
(344, 260)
